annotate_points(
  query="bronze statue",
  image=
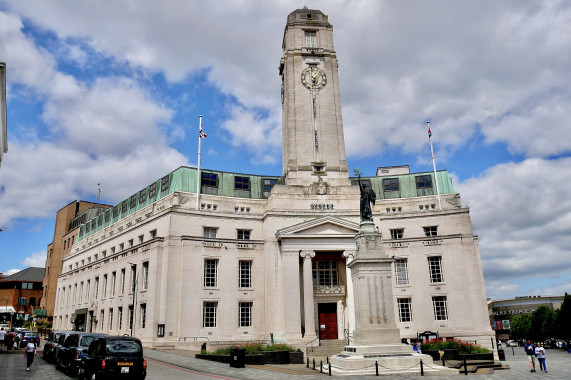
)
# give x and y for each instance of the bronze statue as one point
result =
(368, 196)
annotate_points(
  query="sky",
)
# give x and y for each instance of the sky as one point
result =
(109, 92)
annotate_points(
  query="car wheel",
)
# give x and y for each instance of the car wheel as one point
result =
(58, 364)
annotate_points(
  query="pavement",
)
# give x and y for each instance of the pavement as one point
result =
(13, 367)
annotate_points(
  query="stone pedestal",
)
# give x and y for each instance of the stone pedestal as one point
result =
(376, 336)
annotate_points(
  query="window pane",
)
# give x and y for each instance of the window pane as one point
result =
(405, 309)
(242, 183)
(440, 308)
(209, 179)
(423, 181)
(391, 184)
(245, 312)
(310, 39)
(401, 272)
(435, 268)
(210, 272)
(245, 274)
(209, 314)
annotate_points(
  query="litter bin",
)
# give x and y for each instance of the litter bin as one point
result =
(237, 357)
(502, 355)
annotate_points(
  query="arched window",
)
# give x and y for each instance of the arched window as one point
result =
(23, 301)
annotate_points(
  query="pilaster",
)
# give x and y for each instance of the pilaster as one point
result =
(308, 304)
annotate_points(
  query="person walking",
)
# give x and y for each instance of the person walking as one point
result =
(30, 354)
(530, 351)
(2, 337)
(9, 340)
(540, 353)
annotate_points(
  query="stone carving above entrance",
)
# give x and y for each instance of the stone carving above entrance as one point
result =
(320, 188)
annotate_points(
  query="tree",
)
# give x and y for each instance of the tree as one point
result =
(563, 318)
(543, 323)
(521, 326)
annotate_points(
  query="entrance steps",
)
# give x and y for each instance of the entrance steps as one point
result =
(327, 348)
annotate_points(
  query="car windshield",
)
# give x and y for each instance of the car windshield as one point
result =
(31, 334)
(86, 341)
(123, 347)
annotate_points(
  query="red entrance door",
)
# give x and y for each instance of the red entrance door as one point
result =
(328, 321)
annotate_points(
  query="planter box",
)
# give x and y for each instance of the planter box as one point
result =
(265, 357)
(455, 355)
(296, 357)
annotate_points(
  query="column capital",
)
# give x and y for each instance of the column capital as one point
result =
(307, 254)
(349, 254)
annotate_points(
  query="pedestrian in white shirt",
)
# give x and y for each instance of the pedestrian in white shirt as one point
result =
(29, 355)
(540, 353)
(2, 336)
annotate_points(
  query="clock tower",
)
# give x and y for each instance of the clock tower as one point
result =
(312, 126)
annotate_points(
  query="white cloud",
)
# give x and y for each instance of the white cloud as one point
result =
(37, 259)
(523, 218)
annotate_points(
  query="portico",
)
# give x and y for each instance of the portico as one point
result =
(317, 288)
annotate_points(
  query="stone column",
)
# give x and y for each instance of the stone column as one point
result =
(350, 301)
(291, 294)
(308, 305)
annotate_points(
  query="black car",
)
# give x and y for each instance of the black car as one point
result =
(61, 339)
(29, 336)
(52, 342)
(113, 356)
(72, 350)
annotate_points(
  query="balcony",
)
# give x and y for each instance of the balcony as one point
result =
(329, 289)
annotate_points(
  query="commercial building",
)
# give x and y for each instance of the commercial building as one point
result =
(20, 295)
(252, 257)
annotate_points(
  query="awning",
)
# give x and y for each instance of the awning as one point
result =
(9, 309)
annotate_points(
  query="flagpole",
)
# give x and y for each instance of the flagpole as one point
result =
(434, 166)
(198, 169)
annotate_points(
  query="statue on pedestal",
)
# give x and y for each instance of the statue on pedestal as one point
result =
(368, 196)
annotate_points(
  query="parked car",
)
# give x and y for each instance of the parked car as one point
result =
(60, 341)
(29, 336)
(113, 356)
(511, 343)
(72, 350)
(5, 326)
(51, 343)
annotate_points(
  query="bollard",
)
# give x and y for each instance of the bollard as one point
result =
(376, 368)
(307, 363)
(513, 353)
(465, 368)
(421, 368)
(314, 364)
(321, 366)
(329, 370)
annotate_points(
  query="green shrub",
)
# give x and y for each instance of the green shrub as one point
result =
(455, 344)
(253, 348)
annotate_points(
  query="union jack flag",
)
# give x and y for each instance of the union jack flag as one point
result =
(429, 133)
(201, 133)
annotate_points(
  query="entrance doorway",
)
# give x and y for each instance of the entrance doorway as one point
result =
(327, 320)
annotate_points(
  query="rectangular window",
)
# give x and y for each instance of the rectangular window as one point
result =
(140, 239)
(245, 313)
(424, 182)
(107, 216)
(324, 272)
(242, 183)
(113, 282)
(269, 183)
(390, 184)
(210, 273)
(96, 290)
(100, 220)
(124, 206)
(153, 234)
(209, 179)
(143, 315)
(122, 281)
(119, 318)
(153, 190)
(133, 278)
(142, 196)
(131, 317)
(209, 314)
(133, 201)
(397, 233)
(431, 231)
(435, 268)
(244, 234)
(116, 211)
(401, 271)
(88, 290)
(110, 319)
(164, 183)
(440, 308)
(209, 232)
(405, 309)
(104, 286)
(102, 320)
(310, 38)
(145, 275)
(245, 275)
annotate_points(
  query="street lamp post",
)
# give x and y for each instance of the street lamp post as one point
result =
(134, 268)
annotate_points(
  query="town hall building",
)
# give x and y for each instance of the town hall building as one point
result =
(251, 257)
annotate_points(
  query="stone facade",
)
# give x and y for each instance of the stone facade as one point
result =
(271, 259)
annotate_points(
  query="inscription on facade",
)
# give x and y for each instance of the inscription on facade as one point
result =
(321, 206)
(433, 242)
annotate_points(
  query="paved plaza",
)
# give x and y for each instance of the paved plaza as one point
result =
(180, 365)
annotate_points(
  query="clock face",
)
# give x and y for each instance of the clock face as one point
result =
(313, 78)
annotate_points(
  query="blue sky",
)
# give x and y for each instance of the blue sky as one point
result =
(110, 92)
